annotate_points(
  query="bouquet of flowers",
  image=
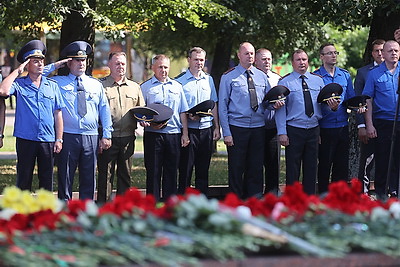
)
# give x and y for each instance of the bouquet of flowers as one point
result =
(134, 228)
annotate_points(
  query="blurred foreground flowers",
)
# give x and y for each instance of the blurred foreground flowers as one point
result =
(40, 230)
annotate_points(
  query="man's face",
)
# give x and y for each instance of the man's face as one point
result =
(329, 55)
(377, 53)
(391, 52)
(35, 65)
(161, 69)
(117, 65)
(264, 61)
(300, 62)
(246, 55)
(77, 66)
(196, 61)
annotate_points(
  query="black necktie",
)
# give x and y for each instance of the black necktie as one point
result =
(252, 91)
(307, 97)
(81, 98)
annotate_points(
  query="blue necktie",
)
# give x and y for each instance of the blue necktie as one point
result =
(81, 97)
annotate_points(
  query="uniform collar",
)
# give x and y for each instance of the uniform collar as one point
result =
(189, 75)
(243, 70)
(155, 80)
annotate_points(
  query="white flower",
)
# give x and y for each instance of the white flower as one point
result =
(276, 212)
(91, 208)
(6, 214)
(379, 213)
(395, 210)
(243, 212)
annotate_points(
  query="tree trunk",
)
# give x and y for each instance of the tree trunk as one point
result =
(78, 28)
(222, 56)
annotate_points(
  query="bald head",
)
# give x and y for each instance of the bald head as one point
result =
(390, 52)
(246, 55)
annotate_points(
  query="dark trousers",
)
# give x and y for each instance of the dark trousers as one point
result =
(161, 159)
(302, 151)
(382, 150)
(272, 159)
(28, 152)
(79, 151)
(119, 154)
(197, 154)
(366, 163)
(245, 161)
(333, 156)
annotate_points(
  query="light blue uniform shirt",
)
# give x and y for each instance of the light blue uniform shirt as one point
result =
(96, 103)
(34, 114)
(234, 99)
(170, 94)
(338, 118)
(293, 113)
(382, 86)
(197, 91)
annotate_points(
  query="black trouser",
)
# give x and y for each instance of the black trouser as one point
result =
(384, 130)
(333, 156)
(27, 153)
(198, 154)
(161, 159)
(272, 159)
(302, 150)
(366, 163)
(245, 161)
(120, 154)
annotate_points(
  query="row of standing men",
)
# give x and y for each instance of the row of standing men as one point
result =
(52, 118)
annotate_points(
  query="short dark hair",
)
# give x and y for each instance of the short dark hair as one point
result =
(196, 49)
(110, 56)
(323, 46)
(378, 42)
(298, 51)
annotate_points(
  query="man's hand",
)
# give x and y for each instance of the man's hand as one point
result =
(57, 147)
(362, 135)
(278, 104)
(333, 103)
(228, 140)
(61, 63)
(283, 139)
(193, 117)
(144, 123)
(397, 35)
(105, 143)
(371, 131)
(185, 140)
(21, 67)
(216, 134)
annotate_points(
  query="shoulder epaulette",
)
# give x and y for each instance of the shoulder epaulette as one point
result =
(312, 73)
(180, 75)
(284, 76)
(316, 70)
(344, 70)
(231, 69)
(276, 73)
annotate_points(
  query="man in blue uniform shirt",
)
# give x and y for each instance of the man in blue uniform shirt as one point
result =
(367, 146)
(86, 104)
(333, 155)
(241, 114)
(38, 123)
(162, 144)
(381, 86)
(198, 87)
(297, 122)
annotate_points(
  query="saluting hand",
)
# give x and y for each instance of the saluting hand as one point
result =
(21, 67)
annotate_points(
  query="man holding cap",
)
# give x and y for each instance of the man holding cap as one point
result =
(162, 142)
(333, 155)
(198, 87)
(38, 123)
(86, 104)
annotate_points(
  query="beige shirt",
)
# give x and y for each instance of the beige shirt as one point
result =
(121, 99)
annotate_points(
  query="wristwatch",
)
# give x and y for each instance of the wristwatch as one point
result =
(1, 136)
(59, 140)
